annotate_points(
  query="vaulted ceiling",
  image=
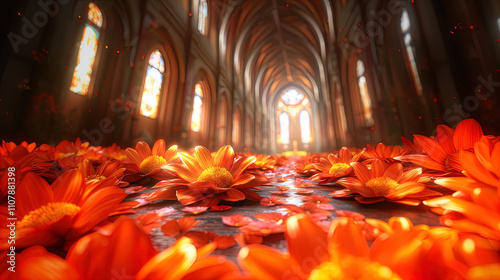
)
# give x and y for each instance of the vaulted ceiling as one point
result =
(273, 44)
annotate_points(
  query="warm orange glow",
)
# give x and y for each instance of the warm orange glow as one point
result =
(86, 55)
(197, 108)
(152, 85)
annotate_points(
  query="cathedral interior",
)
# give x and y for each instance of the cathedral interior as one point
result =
(278, 91)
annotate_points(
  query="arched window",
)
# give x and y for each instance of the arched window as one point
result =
(410, 50)
(152, 85)
(197, 108)
(88, 49)
(363, 94)
(285, 128)
(305, 126)
(202, 16)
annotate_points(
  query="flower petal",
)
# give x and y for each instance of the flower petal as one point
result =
(159, 148)
(203, 156)
(143, 149)
(362, 172)
(467, 133)
(225, 157)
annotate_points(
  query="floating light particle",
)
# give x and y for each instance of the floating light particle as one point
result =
(435, 100)
(190, 14)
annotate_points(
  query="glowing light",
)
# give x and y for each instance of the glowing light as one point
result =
(292, 97)
(152, 85)
(202, 16)
(469, 246)
(285, 128)
(95, 15)
(88, 49)
(85, 61)
(197, 108)
(305, 126)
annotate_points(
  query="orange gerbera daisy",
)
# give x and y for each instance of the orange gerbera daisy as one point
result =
(262, 162)
(108, 169)
(123, 252)
(383, 152)
(483, 165)
(475, 205)
(476, 210)
(443, 154)
(207, 179)
(8, 147)
(335, 167)
(114, 152)
(314, 254)
(384, 182)
(305, 166)
(64, 211)
(150, 162)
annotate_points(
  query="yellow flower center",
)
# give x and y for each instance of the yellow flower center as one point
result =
(350, 268)
(382, 185)
(218, 176)
(339, 167)
(47, 213)
(309, 167)
(95, 177)
(151, 163)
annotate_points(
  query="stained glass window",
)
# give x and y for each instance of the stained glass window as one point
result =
(364, 95)
(410, 50)
(202, 16)
(197, 108)
(88, 49)
(152, 85)
(305, 126)
(285, 128)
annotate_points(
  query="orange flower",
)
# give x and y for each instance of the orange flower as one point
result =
(262, 162)
(314, 254)
(306, 166)
(483, 165)
(383, 152)
(425, 252)
(384, 182)
(150, 162)
(342, 253)
(64, 211)
(66, 148)
(475, 205)
(114, 152)
(8, 148)
(125, 252)
(334, 168)
(443, 154)
(108, 169)
(206, 180)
